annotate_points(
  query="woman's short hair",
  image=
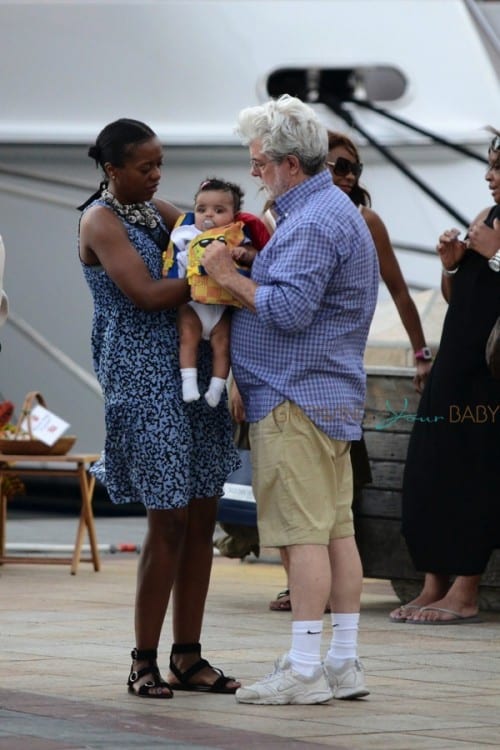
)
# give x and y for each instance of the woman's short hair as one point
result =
(113, 145)
(286, 126)
(116, 140)
(359, 195)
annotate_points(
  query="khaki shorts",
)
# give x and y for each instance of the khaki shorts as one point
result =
(302, 480)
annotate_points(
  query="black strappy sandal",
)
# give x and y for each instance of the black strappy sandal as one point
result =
(219, 686)
(149, 655)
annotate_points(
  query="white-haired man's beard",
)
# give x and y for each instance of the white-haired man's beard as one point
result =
(277, 186)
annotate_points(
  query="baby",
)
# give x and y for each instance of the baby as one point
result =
(217, 204)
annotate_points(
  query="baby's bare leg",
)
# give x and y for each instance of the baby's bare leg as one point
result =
(219, 341)
(190, 331)
(189, 327)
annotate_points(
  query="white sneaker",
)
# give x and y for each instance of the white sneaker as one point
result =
(348, 681)
(284, 686)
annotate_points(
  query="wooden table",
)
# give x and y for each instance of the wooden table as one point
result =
(71, 465)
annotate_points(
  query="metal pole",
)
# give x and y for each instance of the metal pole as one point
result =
(336, 106)
(418, 129)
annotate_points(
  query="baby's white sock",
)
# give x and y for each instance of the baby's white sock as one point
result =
(215, 391)
(190, 390)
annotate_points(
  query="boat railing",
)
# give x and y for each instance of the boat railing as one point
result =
(53, 352)
(42, 179)
(344, 111)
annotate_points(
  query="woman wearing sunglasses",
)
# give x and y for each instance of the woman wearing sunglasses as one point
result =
(346, 168)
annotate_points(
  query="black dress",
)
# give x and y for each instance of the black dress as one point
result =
(451, 485)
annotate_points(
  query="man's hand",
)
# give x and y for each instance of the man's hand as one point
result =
(218, 263)
(236, 404)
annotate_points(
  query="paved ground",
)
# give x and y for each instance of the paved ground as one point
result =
(66, 642)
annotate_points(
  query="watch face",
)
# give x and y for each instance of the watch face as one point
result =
(494, 264)
(494, 261)
(424, 355)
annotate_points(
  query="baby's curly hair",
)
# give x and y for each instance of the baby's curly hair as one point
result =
(215, 183)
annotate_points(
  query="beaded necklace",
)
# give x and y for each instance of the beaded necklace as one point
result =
(135, 213)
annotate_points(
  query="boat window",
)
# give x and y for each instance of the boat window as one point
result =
(382, 83)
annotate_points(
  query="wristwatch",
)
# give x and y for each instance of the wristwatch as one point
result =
(494, 262)
(424, 354)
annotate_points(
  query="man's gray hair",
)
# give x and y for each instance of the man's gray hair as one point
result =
(286, 126)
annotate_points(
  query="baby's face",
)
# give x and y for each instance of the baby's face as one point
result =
(213, 208)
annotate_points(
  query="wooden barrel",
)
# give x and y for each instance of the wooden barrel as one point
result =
(391, 400)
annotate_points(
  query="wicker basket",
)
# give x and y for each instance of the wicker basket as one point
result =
(30, 446)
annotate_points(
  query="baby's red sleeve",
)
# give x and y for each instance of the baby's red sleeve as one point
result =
(256, 228)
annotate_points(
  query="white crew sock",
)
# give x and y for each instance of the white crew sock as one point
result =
(190, 390)
(215, 391)
(305, 654)
(344, 643)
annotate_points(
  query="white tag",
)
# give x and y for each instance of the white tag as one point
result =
(240, 492)
(45, 426)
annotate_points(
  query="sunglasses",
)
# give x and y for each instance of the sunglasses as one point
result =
(341, 167)
(495, 144)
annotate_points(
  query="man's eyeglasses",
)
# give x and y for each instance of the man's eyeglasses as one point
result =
(259, 164)
(341, 167)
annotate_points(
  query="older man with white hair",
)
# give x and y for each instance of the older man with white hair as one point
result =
(297, 358)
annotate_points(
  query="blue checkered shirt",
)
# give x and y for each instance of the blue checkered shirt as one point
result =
(317, 287)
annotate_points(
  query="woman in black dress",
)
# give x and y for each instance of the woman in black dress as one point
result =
(451, 487)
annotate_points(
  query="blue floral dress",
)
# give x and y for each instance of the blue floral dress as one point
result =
(159, 450)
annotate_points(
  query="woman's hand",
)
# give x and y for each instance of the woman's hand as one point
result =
(451, 250)
(244, 254)
(423, 368)
(484, 239)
